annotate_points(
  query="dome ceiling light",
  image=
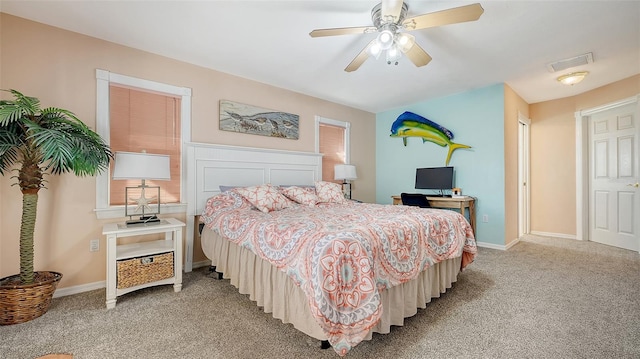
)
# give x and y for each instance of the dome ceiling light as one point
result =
(573, 78)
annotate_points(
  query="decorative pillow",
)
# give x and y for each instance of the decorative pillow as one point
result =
(298, 185)
(221, 203)
(301, 195)
(227, 188)
(265, 197)
(329, 192)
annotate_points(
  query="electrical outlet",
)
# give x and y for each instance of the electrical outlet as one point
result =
(94, 245)
(485, 218)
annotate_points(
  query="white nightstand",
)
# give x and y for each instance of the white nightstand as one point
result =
(144, 252)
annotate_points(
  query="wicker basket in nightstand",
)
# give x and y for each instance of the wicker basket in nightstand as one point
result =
(141, 270)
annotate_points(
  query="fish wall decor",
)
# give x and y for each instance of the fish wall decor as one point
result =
(410, 124)
(239, 117)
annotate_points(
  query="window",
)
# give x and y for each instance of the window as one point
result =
(150, 122)
(162, 116)
(333, 142)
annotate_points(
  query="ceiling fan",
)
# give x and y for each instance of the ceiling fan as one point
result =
(391, 24)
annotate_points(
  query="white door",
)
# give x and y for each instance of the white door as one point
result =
(614, 196)
(523, 175)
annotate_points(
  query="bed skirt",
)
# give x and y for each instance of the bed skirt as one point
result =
(272, 289)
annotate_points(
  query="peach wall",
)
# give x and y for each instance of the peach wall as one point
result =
(513, 104)
(58, 67)
(553, 159)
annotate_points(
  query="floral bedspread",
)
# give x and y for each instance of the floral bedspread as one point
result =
(344, 255)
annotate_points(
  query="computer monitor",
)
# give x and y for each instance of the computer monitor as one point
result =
(434, 178)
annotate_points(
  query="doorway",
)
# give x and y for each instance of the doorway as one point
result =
(523, 174)
(608, 171)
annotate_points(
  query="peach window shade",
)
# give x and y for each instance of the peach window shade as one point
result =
(145, 121)
(332, 147)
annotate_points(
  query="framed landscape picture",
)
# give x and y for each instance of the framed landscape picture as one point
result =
(238, 117)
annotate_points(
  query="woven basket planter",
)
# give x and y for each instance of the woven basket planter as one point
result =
(21, 303)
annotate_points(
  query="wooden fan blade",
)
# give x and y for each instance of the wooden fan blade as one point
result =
(417, 55)
(360, 59)
(391, 8)
(445, 17)
(342, 31)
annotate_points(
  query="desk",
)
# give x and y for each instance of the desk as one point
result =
(449, 202)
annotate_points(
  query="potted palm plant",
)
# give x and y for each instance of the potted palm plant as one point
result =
(34, 142)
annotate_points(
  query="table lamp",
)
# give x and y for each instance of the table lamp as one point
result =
(142, 166)
(345, 173)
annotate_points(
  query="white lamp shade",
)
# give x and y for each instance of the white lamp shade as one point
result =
(131, 165)
(345, 172)
(405, 41)
(385, 39)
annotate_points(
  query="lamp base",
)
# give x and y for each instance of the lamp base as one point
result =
(346, 189)
(144, 220)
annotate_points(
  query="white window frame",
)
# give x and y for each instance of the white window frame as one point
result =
(347, 136)
(103, 80)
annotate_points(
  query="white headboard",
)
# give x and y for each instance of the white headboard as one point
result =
(209, 166)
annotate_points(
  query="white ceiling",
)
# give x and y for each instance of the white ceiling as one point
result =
(269, 42)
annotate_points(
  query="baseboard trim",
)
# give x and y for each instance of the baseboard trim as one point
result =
(76, 289)
(492, 246)
(512, 243)
(555, 235)
(81, 288)
(500, 247)
(201, 264)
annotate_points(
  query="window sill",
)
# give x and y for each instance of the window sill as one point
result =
(118, 211)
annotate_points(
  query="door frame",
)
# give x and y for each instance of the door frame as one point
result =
(582, 162)
(524, 173)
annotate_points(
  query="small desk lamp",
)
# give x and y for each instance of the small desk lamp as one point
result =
(130, 165)
(345, 173)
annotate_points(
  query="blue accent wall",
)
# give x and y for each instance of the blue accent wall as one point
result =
(476, 118)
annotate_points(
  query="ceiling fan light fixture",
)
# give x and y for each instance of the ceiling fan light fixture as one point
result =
(375, 50)
(405, 41)
(385, 39)
(390, 20)
(573, 78)
(393, 55)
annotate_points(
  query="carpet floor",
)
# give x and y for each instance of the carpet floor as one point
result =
(543, 298)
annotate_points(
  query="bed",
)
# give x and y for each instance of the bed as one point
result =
(338, 270)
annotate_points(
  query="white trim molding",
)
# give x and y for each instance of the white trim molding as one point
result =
(512, 243)
(582, 163)
(524, 174)
(500, 247)
(205, 263)
(103, 80)
(556, 235)
(347, 135)
(77, 289)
